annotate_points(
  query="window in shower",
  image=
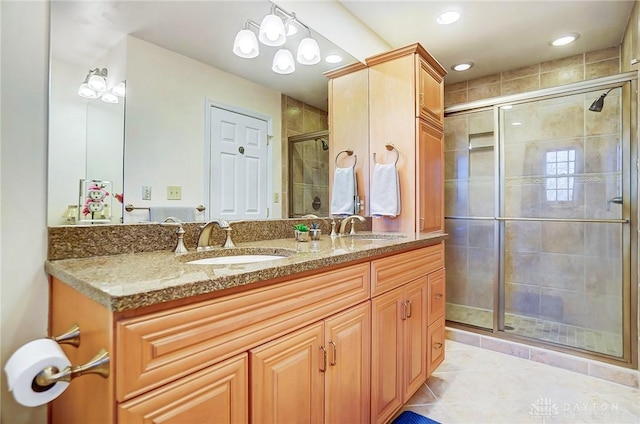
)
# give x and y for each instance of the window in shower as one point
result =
(559, 167)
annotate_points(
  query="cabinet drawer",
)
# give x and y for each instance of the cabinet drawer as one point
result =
(394, 271)
(435, 350)
(215, 394)
(436, 295)
(155, 349)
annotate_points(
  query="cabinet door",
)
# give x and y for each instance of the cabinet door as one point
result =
(437, 291)
(217, 394)
(286, 378)
(386, 355)
(415, 336)
(347, 387)
(430, 97)
(430, 184)
(436, 345)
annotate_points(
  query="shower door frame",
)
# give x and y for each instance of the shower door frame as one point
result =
(628, 82)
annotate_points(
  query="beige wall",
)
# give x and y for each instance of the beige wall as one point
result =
(23, 194)
(165, 127)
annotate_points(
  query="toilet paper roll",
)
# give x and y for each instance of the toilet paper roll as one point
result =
(25, 364)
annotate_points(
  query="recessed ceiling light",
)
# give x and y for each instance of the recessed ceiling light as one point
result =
(449, 17)
(333, 58)
(462, 66)
(564, 40)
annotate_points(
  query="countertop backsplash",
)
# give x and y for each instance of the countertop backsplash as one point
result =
(84, 241)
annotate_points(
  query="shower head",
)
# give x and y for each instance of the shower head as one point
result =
(597, 105)
(325, 145)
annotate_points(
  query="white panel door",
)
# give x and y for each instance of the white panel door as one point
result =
(238, 166)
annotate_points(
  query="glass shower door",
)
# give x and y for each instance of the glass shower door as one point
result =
(564, 221)
(470, 159)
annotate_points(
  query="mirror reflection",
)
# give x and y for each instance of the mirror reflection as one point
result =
(158, 145)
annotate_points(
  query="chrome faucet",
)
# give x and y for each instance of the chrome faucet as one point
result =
(343, 224)
(175, 222)
(205, 234)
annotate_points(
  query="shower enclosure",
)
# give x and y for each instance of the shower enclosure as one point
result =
(309, 174)
(540, 205)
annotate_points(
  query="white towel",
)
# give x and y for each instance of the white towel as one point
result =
(183, 213)
(344, 191)
(385, 190)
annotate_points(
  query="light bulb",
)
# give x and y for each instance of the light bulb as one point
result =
(308, 52)
(86, 91)
(119, 90)
(272, 31)
(283, 62)
(97, 82)
(246, 45)
(109, 97)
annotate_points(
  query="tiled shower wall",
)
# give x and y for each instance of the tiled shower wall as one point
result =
(576, 68)
(559, 272)
(301, 118)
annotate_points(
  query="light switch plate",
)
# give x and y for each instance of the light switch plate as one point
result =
(174, 192)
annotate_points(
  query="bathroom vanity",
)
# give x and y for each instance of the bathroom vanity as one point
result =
(342, 330)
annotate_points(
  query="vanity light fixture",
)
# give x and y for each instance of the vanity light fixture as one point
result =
(448, 17)
(109, 97)
(565, 39)
(460, 67)
(283, 62)
(308, 51)
(98, 79)
(246, 44)
(86, 91)
(119, 89)
(273, 32)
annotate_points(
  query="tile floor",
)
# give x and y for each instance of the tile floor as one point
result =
(539, 329)
(474, 385)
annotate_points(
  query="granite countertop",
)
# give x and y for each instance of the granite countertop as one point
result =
(129, 281)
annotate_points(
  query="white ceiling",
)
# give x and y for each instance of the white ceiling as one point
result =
(495, 35)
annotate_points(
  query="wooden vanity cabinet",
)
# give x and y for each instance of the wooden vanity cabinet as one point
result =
(398, 99)
(215, 394)
(402, 289)
(406, 106)
(349, 125)
(315, 375)
(348, 344)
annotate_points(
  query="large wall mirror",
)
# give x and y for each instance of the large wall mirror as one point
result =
(175, 60)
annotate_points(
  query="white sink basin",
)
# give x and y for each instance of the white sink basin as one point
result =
(236, 259)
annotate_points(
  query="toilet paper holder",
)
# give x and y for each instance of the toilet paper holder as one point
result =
(71, 336)
(46, 378)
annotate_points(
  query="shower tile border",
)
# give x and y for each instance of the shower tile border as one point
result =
(590, 367)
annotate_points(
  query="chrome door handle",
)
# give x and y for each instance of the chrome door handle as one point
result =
(617, 200)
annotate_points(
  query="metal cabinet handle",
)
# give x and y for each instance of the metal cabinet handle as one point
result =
(334, 354)
(408, 302)
(437, 345)
(438, 296)
(323, 359)
(404, 311)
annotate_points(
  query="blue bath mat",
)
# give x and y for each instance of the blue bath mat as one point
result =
(408, 417)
